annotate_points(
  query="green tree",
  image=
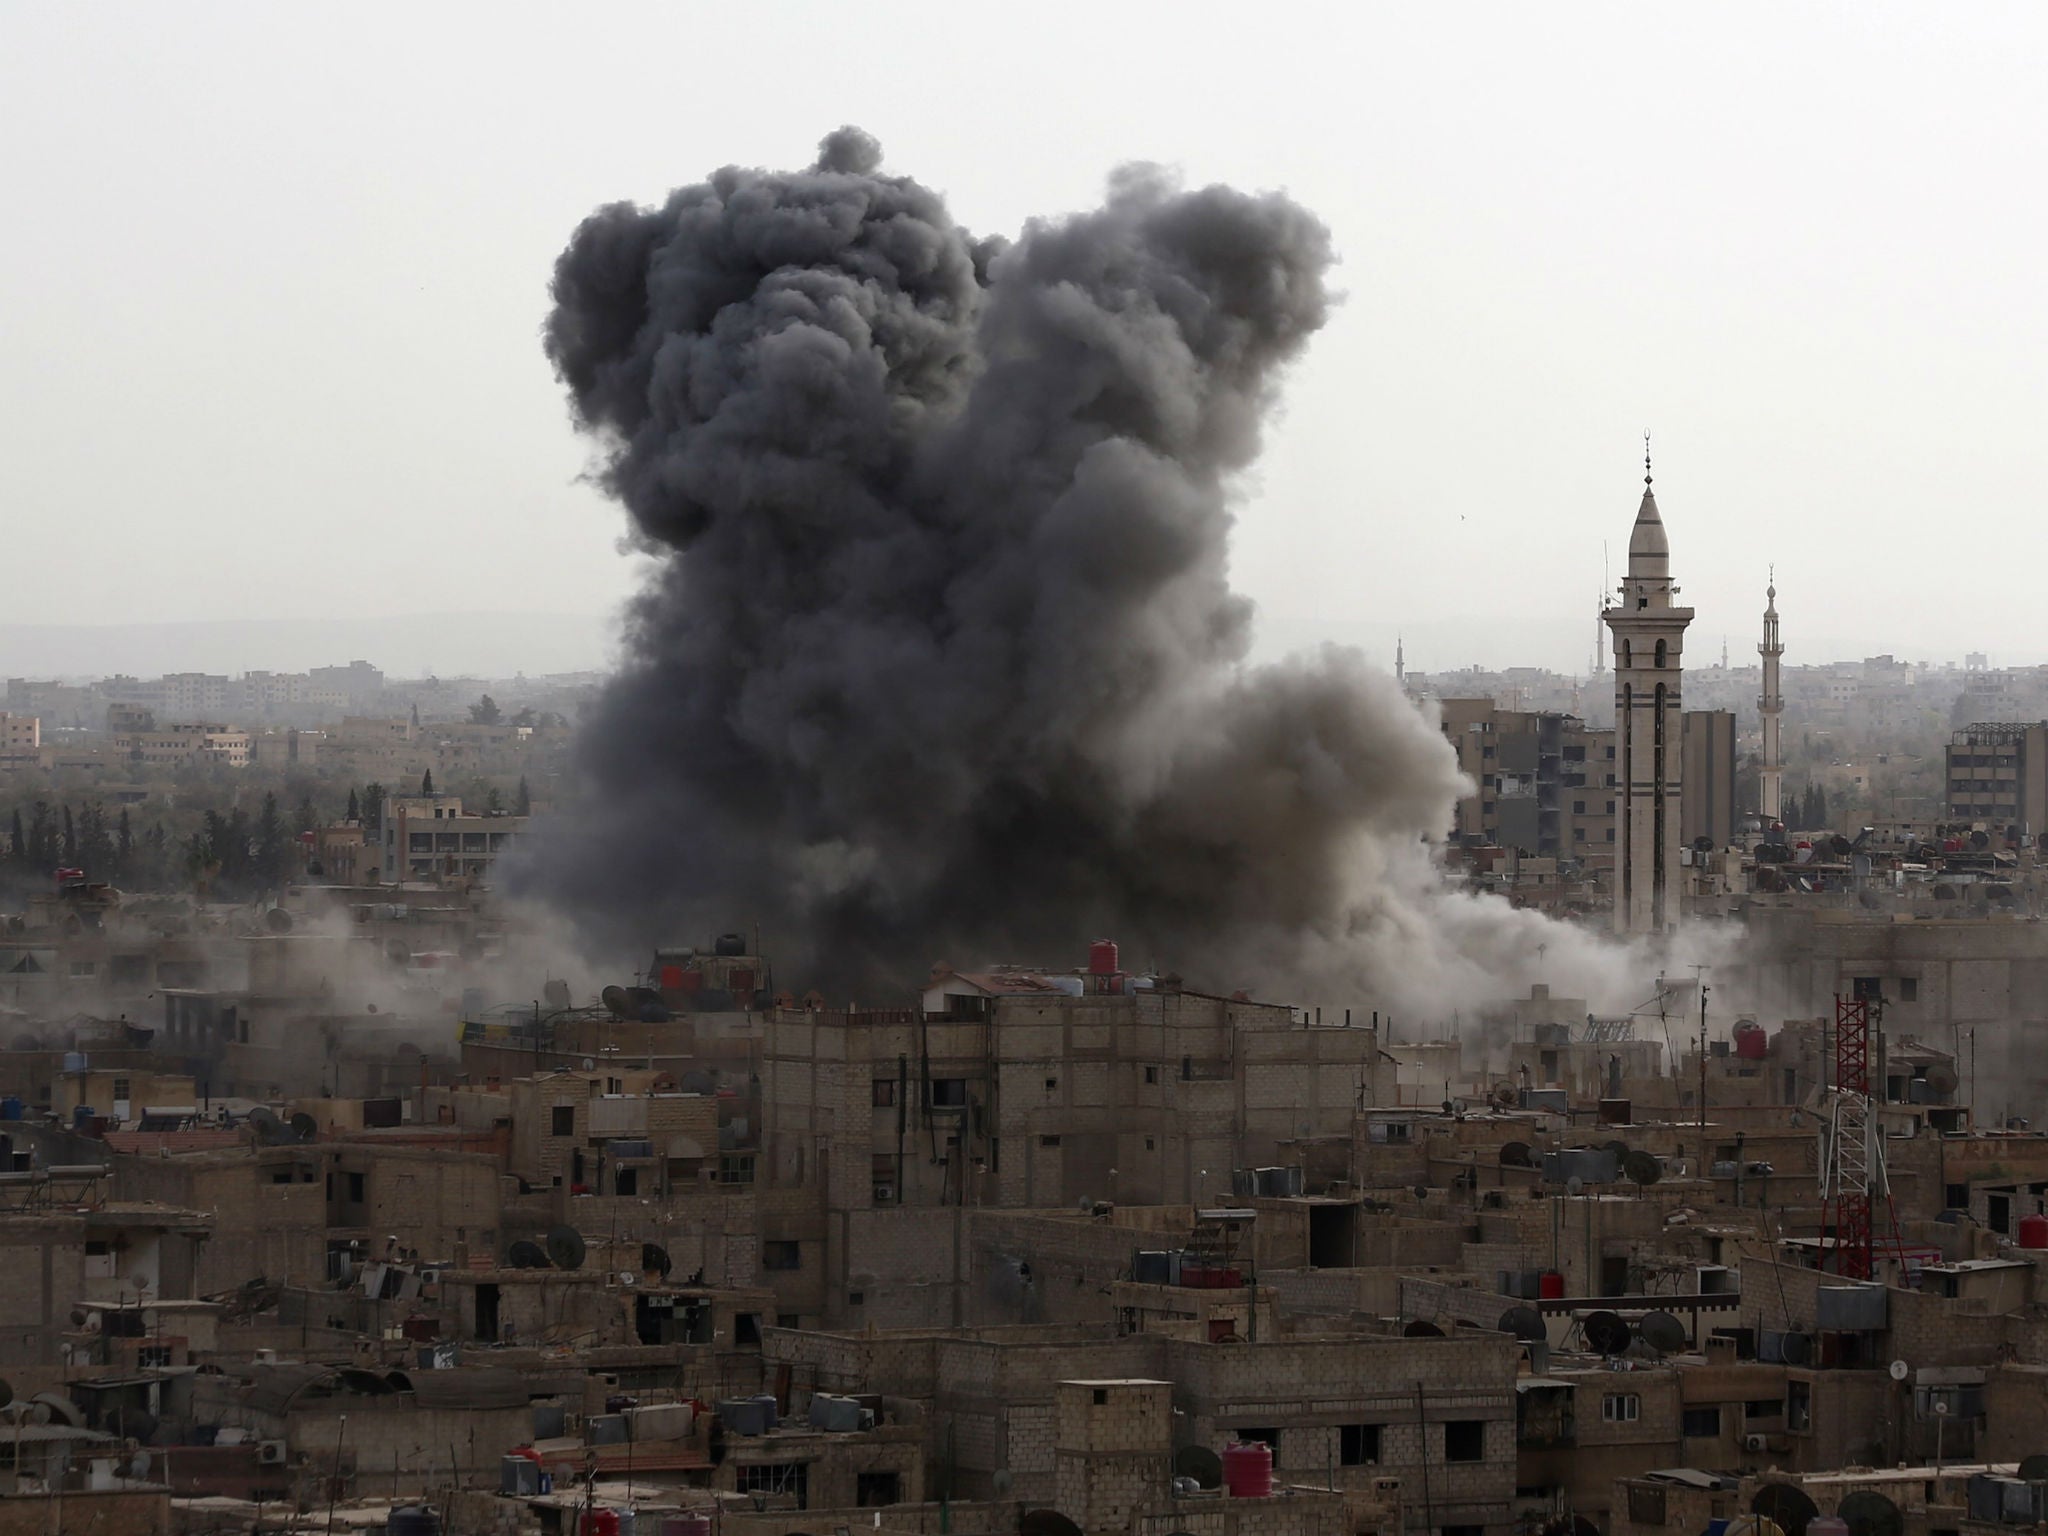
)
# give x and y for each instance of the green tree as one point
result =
(305, 818)
(124, 849)
(17, 841)
(522, 799)
(95, 842)
(42, 838)
(485, 711)
(70, 848)
(373, 806)
(272, 844)
(355, 809)
(427, 782)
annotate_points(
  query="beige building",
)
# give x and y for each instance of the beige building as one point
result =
(177, 745)
(1998, 776)
(430, 837)
(1707, 778)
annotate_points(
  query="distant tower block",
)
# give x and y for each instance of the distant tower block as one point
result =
(1770, 705)
(1649, 634)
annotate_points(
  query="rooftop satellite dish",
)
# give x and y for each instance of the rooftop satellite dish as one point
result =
(277, 920)
(1525, 1323)
(590, 1063)
(1606, 1332)
(1941, 1077)
(1870, 1513)
(1200, 1463)
(270, 1130)
(1662, 1332)
(1421, 1192)
(654, 1260)
(6, 1394)
(1002, 1482)
(526, 1255)
(1617, 1146)
(304, 1126)
(1786, 1506)
(1642, 1167)
(618, 1000)
(1458, 1106)
(138, 1466)
(564, 1247)
(62, 1409)
(1796, 1348)
(627, 1277)
(1085, 1205)
(2034, 1469)
(1900, 1370)
(1515, 1154)
(1422, 1328)
(1575, 1185)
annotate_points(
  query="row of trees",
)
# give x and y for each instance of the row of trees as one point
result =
(1808, 812)
(226, 849)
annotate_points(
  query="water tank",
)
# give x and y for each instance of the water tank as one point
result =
(412, 1520)
(599, 1522)
(769, 1415)
(10, 1108)
(1102, 958)
(2034, 1231)
(74, 1061)
(1248, 1470)
(730, 944)
(1751, 1042)
(1550, 1285)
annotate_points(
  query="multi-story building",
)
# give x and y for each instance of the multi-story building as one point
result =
(1707, 778)
(430, 837)
(1998, 775)
(185, 743)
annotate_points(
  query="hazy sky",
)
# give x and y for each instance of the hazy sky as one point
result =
(273, 278)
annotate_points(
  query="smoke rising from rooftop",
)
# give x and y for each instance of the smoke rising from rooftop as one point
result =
(941, 659)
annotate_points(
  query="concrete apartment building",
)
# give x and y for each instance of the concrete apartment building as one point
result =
(431, 837)
(185, 744)
(1707, 807)
(1997, 776)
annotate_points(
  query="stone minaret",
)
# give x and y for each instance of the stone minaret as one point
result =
(1770, 705)
(1649, 633)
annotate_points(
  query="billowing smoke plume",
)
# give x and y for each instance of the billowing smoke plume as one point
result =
(942, 659)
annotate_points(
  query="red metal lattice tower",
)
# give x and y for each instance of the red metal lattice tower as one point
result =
(1849, 1146)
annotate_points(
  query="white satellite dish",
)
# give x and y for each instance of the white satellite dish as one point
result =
(590, 1063)
(1900, 1370)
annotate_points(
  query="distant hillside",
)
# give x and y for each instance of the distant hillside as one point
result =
(407, 645)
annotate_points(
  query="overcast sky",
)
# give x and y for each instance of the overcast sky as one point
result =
(273, 278)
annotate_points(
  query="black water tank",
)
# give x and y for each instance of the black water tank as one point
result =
(412, 1520)
(730, 944)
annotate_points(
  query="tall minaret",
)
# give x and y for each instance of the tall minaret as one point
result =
(1648, 635)
(1400, 663)
(1770, 706)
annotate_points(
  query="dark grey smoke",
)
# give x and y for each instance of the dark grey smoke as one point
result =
(942, 659)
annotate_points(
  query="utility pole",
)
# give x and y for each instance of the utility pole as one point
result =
(1704, 989)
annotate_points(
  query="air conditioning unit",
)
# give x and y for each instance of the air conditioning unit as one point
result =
(1754, 1443)
(270, 1453)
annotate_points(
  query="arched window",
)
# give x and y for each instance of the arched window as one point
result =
(1624, 653)
(1660, 653)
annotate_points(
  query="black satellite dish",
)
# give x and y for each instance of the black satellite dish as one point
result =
(564, 1247)
(1662, 1332)
(1606, 1332)
(1045, 1522)
(1980, 841)
(526, 1255)
(1703, 844)
(618, 1000)
(1617, 1146)
(1870, 1513)
(1525, 1323)
(270, 1130)
(2033, 1469)
(304, 1126)
(1421, 1192)
(136, 1424)
(1199, 1463)
(1422, 1328)
(1516, 1154)
(6, 1394)
(1794, 1348)
(1642, 1167)
(654, 1260)
(277, 920)
(1840, 846)
(1785, 1506)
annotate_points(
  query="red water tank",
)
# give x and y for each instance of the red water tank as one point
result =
(1248, 1470)
(1550, 1285)
(1102, 958)
(600, 1522)
(1751, 1042)
(2034, 1231)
